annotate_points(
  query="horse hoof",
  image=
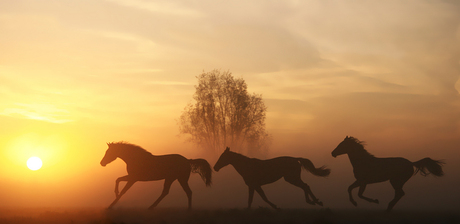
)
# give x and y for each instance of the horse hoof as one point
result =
(319, 203)
(354, 203)
(376, 201)
(310, 202)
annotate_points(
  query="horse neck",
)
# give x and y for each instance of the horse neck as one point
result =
(359, 156)
(239, 162)
(130, 156)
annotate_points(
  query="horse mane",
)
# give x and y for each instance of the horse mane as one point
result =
(360, 145)
(239, 154)
(129, 146)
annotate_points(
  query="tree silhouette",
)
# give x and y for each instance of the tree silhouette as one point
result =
(223, 114)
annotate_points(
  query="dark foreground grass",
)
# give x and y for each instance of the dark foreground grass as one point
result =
(219, 216)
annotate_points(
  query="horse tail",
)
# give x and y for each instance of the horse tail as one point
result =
(202, 167)
(427, 166)
(308, 165)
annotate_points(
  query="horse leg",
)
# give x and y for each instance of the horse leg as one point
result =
(117, 182)
(125, 188)
(251, 196)
(399, 193)
(350, 189)
(166, 187)
(262, 195)
(296, 181)
(360, 194)
(188, 191)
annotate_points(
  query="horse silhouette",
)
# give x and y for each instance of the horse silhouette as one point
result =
(143, 166)
(369, 169)
(256, 173)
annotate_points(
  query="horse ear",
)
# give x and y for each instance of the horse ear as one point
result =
(346, 137)
(227, 149)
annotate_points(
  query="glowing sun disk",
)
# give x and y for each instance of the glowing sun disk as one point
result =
(34, 163)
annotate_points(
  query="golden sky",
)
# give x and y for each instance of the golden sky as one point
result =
(77, 74)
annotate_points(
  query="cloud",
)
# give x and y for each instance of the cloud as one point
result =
(169, 83)
(143, 43)
(285, 50)
(42, 112)
(165, 7)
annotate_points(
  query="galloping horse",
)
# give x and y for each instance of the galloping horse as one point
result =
(369, 169)
(256, 173)
(143, 166)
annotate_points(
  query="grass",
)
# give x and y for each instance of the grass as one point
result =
(218, 216)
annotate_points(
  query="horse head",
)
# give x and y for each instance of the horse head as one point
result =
(343, 147)
(223, 160)
(110, 155)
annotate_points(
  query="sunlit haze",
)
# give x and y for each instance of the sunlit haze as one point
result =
(75, 75)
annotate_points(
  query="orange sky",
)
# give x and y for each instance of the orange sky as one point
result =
(77, 74)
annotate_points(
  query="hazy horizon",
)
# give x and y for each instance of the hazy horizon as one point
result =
(77, 74)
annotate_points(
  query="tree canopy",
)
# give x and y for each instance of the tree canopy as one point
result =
(223, 114)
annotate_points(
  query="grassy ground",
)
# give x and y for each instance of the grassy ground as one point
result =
(224, 216)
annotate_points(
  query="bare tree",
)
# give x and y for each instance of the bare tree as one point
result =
(224, 114)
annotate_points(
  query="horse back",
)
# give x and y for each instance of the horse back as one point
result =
(382, 169)
(160, 167)
(260, 172)
(282, 164)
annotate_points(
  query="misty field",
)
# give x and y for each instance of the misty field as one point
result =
(208, 216)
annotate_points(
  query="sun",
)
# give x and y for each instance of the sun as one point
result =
(34, 163)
